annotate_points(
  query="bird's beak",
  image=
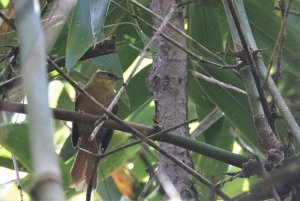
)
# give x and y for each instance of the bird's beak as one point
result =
(118, 77)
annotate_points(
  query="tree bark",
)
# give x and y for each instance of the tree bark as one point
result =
(167, 81)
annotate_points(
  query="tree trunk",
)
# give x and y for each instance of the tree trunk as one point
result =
(167, 81)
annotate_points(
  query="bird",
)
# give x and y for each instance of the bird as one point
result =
(101, 87)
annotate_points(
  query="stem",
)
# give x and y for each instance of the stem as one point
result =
(46, 171)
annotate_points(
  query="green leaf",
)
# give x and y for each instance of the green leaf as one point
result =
(8, 163)
(87, 20)
(98, 10)
(4, 3)
(108, 189)
(67, 151)
(14, 137)
(64, 100)
(109, 62)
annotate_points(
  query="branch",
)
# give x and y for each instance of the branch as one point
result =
(184, 142)
(280, 39)
(276, 95)
(217, 82)
(259, 107)
(205, 149)
(78, 117)
(283, 178)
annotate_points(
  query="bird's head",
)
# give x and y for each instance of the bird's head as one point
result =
(105, 78)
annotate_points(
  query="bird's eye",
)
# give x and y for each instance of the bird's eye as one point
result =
(109, 74)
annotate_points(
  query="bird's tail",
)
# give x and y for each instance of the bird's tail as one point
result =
(81, 171)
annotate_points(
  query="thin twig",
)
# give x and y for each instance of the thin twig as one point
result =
(155, 135)
(149, 168)
(18, 176)
(291, 11)
(92, 176)
(15, 163)
(104, 47)
(183, 48)
(280, 36)
(177, 30)
(217, 82)
(207, 122)
(139, 135)
(10, 22)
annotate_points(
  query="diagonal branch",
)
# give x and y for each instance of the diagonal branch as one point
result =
(177, 30)
(217, 82)
(280, 37)
(183, 48)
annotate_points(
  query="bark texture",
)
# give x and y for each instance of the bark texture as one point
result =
(167, 80)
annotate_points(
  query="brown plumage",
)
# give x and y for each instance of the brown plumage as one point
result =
(101, 87)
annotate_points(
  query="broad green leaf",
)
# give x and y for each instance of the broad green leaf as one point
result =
(67, 151)
(203, 104)
(109, 62)
(293, 18)
(59, 48)
(8, 163)
(64, 100)
(98, 11)
(108, 189)
(4, 3)
(87, 20)
(14, 137)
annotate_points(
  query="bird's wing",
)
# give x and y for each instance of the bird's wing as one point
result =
(108, 133)
(75, 133)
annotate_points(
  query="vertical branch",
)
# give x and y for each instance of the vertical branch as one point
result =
(48, 185)
(167, 80)
(250, 79)
(276, 95)
(278, 49)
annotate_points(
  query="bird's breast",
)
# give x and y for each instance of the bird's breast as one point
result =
(88, 106)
